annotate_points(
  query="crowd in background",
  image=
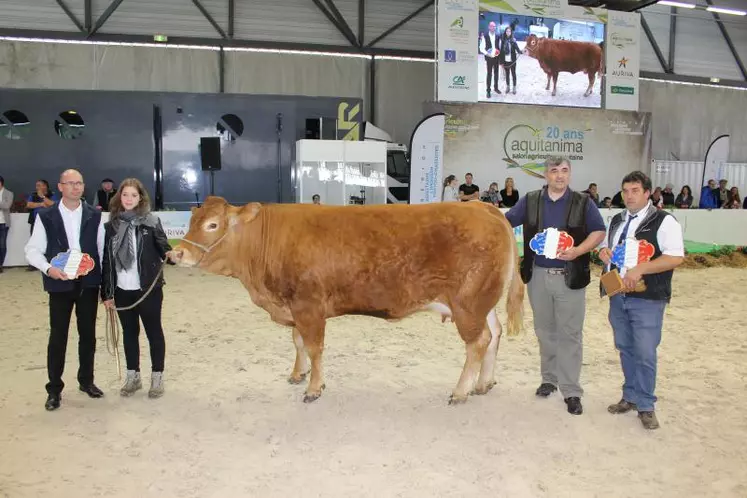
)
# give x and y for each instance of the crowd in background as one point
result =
(712, 196)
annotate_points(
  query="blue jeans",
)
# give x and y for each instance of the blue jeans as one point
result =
(636, 324)
(3, 243)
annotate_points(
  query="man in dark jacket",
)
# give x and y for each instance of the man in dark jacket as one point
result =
(636, 316)
(69, 225)
(557, 283)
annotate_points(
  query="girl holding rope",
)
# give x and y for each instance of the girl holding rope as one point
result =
(134, 253)
(509, 53)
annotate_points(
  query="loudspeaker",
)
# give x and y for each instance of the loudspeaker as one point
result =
(210, 153)
(321, 128)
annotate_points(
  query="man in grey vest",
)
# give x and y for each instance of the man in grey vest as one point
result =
(69, 224)
(636, 317)
(557, 286)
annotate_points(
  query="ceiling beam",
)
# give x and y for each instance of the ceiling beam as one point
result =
(70, 14)
(729, 43)
(654, 45)
(341, 20)
(105, 16)
(348, 36)
(404, 21)
(209, 18)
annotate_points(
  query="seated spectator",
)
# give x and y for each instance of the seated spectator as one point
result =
(722, 193)
(617, 200)
(606, 203)
(592, 192)
(732, 204)
(468, 191)
(492, 195)
(708, 197)
(684, 199)
(316, 199)
(656, 198)
(509, 195)
(451, 191)
(734, 194)
(667, 195)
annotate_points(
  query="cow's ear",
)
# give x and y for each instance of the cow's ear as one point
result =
(193, 209)
(245, 214)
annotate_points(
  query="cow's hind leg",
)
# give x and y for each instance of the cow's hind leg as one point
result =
(486, 381)
(554, 84)
(301, 366)
(476, 337)
(548, 81)
(592, 78)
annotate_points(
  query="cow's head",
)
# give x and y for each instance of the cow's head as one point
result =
(532, 44)
(207, 242)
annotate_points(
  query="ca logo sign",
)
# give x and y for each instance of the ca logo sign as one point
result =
(458, 80)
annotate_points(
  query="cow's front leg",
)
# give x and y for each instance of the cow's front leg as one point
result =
(311, 330)
(592, 78)
(548, 81)
(301, 366)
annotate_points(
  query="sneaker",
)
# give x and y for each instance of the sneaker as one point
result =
(621, 406)
(132, 383)
(574, 405)
(648, 419)
(546, 389)
(156, 385)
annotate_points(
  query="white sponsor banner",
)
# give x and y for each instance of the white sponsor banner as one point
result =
(426, 160)
(623, 51)
(175, 223)
(456, 38)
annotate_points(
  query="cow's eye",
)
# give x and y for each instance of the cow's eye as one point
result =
(212, 226)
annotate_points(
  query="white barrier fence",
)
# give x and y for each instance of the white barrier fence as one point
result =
(722, 227)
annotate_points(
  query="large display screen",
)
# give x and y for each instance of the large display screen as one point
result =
(539, 60)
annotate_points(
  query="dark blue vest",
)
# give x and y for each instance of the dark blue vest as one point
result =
(57, 242)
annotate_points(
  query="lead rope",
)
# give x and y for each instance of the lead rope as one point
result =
(112, 323)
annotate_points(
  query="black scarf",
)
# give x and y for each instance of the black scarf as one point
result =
(125, 224)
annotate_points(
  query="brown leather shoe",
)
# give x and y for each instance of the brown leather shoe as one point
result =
(648, 419)
(621, 406)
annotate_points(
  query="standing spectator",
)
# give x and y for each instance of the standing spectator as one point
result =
(6, 201)
(43, 197)
(509, 195)
(684, 198)
(69, 224)
(468, 191)
(104, 195)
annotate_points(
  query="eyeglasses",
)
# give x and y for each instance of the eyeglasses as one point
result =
(73, 184)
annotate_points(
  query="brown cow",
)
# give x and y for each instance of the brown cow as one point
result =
(304, 265)
(555, 56)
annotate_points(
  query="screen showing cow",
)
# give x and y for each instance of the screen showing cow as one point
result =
(539, 60)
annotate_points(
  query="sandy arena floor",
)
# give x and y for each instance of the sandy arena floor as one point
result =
(230, 425)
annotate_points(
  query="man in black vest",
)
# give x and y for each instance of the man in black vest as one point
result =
(69, 224)
(636, 317)
(557, 287)
(490, 49)
(104, 195)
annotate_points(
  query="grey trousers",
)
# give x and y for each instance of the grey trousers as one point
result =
(558, 322)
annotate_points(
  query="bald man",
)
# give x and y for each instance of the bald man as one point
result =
(69, 224)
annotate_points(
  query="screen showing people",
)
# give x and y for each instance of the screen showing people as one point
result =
(536, 60)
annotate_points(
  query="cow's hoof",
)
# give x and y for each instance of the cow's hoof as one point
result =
(481, 390)
(313, 396)
(457, 400)
(296, 380)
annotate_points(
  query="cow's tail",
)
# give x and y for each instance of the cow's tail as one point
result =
(601, 61)
(515, 298)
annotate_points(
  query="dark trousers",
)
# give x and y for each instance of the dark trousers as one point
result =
(149, 311)
(510, 69)
(60, 309)
(493, 73)
(3, 243)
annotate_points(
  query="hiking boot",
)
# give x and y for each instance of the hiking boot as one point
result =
(156, 385)
(621, 406)
(648, 419)
(132, 383)
(546, 389)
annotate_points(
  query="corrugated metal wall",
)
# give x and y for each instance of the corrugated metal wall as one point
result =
(700, 50)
